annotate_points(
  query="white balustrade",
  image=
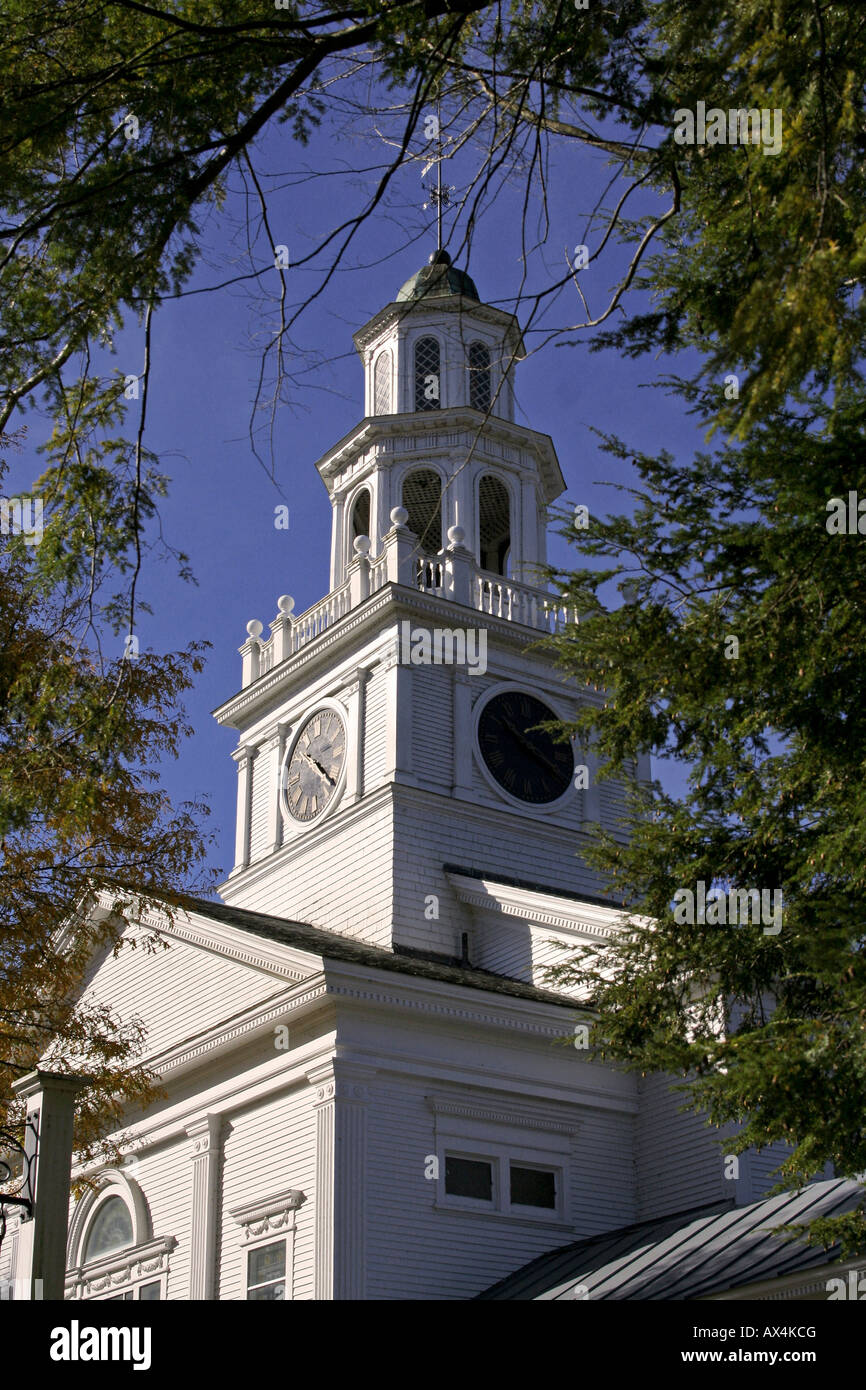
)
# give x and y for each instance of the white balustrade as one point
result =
(491, 593)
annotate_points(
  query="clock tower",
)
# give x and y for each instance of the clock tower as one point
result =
(394, 784)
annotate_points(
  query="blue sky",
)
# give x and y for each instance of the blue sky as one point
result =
(206, 348)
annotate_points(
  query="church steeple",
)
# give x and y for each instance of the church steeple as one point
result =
(438, 437)
(366, 771)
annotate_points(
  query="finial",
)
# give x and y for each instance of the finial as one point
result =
(399, 516)
(285, 603)
(254, 628)
(361, 545)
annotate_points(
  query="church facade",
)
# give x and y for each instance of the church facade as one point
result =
(370, 1091)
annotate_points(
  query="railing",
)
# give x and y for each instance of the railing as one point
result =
(452, 574)
(430, 575)
(320, 617)
(519, 603)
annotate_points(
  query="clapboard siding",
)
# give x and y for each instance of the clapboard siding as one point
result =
(444, 831)
(680, 1161)
(176, 991)
(417, 1251)
(269, 1148)
(340, 878)
(432, 725)
(375, 724)
(262, 790)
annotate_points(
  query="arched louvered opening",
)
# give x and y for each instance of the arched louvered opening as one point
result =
(494, 525)
(428, 389)
(360, 515)
(382, 384)
(479, 376)
(422, 498)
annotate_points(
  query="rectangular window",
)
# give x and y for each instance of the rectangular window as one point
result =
(468, 1177)
(533, 1187)
(266, 1273)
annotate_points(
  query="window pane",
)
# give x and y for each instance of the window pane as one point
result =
(382, 383)
(530, 1187)
(267, 1293)
(111, 1229)
(149, 1291)
(266, 1271)
(468, 1177)
(479, 376)
(427, 389)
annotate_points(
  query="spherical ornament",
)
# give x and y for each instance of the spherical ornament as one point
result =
(285, 603)
(456, 535)
(254, 627)
(399, 516)
(361, 545)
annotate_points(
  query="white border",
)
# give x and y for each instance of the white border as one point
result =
(538, 808)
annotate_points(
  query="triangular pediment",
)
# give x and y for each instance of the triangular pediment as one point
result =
(187, 975)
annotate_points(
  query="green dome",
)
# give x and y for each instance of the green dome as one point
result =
(438, 279)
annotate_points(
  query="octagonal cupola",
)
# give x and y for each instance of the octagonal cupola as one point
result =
(438, 440)
(437, 346)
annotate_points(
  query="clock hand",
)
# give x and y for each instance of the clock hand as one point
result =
(530, 747)
(318, 766)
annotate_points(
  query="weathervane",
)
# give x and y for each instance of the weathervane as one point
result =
(438, 196)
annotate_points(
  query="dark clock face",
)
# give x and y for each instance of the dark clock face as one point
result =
(311, 774)
(525, 761)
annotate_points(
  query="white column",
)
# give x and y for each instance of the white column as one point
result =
(525, 531)
(354, 696)
(350, 1188)
(50, 1101)
(269, 763)
(283, 732)
(341, 1180)
(323, 1080)
(398, 719)
(204, 1137)
(243, 756)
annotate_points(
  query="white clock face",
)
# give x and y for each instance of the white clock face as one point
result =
(313, 770)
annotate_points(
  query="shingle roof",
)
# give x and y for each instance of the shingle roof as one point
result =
(337, 947)
(687, 1255)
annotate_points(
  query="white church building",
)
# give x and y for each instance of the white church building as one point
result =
(370, 1092)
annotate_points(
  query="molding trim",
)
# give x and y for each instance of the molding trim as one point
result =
(119, 1270)
(543, 909)
(269, 1214)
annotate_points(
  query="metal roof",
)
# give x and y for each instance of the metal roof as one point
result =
(690, 1254)
(438, 278)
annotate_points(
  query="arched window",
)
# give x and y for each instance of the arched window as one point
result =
(382, 384)
(494, 525)
(111, 1229)
(422, 498)
(112, 1252)
(428, 391)
(361, 515)
(479, 376)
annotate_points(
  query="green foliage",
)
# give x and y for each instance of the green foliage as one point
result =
(735, 544)
(83, 822)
